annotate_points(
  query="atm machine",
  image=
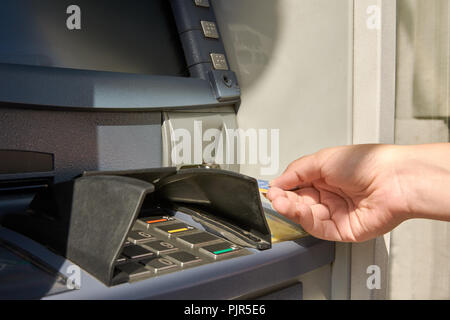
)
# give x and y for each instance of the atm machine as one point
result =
(92, 203)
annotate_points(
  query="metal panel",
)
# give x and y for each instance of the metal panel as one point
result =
(83, 141)
(281, 264)
(43, 87)
(196, 125)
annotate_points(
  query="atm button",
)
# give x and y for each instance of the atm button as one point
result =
(160, 247)
(183, 258)
(196, 239)
(219, 249)
(209, 29)
(136, 252)
(150, 221)
(134, 270)
(158, 264)
(137, 236)
(219, 61)
(175, 228)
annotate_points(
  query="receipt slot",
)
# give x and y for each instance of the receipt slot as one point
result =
(197, 138)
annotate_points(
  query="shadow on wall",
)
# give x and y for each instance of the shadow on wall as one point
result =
(249, 29)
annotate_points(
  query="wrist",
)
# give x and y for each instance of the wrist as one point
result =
(424, 176)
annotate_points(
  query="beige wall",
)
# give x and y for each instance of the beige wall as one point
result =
(420, 255)
(315, 71)
(293, 59)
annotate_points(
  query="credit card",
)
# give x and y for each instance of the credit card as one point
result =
(263, 186)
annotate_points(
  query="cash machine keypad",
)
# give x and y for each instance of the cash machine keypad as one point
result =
(159, 245)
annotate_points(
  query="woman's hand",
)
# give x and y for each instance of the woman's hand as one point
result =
(356, 193)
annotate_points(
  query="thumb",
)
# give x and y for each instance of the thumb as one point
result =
(304, 170)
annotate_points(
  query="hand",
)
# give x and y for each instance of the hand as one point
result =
(351, 193)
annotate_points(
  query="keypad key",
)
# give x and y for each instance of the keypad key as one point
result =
(219, 249)
(158, 264)
(209, 29)
(219, 61)
(160, 247)
(134, 270)
(136, 252)
(175, 228)
(196, 239)
(137, 236)
(150, 221)
(183, 258)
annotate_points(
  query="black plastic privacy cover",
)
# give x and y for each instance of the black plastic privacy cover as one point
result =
(152, 175)
(224, 196)
(75, 217)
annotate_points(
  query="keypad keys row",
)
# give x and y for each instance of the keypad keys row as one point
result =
(155, 265)
(146, 254)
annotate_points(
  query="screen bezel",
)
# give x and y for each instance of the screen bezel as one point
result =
(39, 87)
(29, 87)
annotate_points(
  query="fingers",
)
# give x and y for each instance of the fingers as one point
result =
(274, 193)
(323, 214)
(308, 196)
(309, 217)
(299, 172)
